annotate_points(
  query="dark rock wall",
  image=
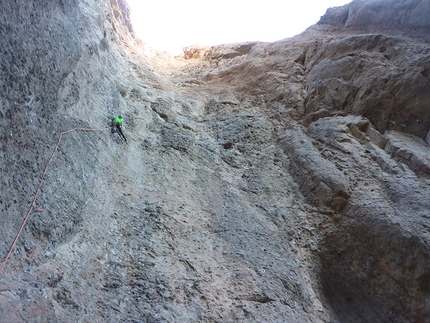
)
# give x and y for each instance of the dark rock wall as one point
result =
(372, 75)
(409, 16)
(262, 182)
(39, 49)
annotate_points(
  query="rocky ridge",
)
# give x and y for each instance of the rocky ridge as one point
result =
(262, 182)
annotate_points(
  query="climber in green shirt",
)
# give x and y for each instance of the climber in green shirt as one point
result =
(116, 125)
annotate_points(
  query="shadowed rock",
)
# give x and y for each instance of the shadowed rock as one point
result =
(261, 182)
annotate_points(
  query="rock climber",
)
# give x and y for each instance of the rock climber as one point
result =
(116, 125)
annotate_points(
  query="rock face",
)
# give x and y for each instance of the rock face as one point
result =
(261, 182)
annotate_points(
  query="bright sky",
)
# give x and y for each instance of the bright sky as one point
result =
(170, 25)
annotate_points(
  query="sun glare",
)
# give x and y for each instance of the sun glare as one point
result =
(170, 25)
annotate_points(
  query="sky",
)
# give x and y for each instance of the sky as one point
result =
(170, 25)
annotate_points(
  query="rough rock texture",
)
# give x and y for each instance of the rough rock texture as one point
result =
(262, 182)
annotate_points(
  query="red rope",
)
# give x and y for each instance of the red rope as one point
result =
(32, 206)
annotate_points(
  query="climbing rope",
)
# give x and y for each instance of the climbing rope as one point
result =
(33, 203)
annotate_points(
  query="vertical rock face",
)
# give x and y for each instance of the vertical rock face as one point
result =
(261, 182)
(408, 15)
(371, 75)
(39, 49)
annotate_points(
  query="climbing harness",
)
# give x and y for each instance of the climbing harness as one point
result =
(116, 128)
